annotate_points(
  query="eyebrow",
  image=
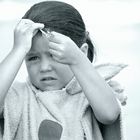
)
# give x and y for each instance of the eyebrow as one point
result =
(32, 53)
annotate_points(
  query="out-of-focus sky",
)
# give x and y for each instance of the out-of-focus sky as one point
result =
(114, 26)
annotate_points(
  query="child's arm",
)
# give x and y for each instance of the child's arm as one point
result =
(97, 91)
(10, 65)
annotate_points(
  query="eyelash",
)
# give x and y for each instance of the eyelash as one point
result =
(33, 58)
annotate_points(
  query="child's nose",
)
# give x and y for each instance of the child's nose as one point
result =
(45, 66)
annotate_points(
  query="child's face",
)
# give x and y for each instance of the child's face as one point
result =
(44, 72)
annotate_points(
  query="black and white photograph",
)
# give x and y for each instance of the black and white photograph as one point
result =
(69, 69)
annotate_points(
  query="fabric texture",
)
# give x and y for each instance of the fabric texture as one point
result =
(26, 107)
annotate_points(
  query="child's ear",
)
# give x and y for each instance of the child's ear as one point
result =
(84, 48)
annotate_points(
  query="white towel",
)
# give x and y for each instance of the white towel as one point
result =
(22, 111)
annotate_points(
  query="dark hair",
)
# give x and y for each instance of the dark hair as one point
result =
(63, 18)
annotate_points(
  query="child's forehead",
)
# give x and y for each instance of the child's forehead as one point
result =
(39, 50)
(39, 44)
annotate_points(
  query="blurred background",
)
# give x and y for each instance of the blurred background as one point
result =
(114, 26)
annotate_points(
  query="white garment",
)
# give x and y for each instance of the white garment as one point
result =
(25, 107)
(64, 106)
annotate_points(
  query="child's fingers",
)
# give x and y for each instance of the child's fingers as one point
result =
(29, 22)
(53, 38)
(54, 53)
(24, 21)
(37, 26)
(46, 33)
(54, 46)
(57, 37)
(23, 24)
(29, 26)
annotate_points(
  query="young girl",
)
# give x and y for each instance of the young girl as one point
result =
(64, 97)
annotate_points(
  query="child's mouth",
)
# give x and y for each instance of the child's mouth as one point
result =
(48, 79)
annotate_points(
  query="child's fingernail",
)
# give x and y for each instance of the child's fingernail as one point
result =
(48, 35)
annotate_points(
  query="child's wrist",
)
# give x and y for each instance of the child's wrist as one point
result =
(80, 59)
(20, 50)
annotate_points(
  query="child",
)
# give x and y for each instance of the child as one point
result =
(64, 97)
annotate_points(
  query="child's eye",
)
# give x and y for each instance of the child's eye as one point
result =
(33, 58)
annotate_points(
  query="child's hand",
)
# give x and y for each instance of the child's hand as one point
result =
(24, 32)
(63, 49)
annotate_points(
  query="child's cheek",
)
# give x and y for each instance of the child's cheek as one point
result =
(33, 68)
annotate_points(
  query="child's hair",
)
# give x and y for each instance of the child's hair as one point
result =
(63, 18)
